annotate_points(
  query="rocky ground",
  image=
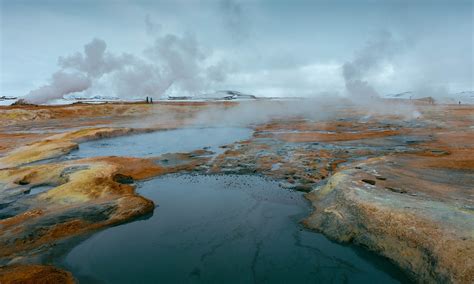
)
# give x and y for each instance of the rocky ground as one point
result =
(398, 186)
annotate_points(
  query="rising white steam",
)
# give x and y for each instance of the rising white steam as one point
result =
(95, 61)
(61, 83)
(376, 51)
(171, 63)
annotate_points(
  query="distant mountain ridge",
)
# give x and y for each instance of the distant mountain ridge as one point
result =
(218, 95)
(464, 97)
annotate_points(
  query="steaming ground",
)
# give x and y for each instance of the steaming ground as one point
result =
(369, 115)
(392, 175)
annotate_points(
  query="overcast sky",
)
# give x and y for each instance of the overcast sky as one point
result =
(272, 47)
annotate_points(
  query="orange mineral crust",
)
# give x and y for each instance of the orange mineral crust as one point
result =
(41, 274)
(401, 186)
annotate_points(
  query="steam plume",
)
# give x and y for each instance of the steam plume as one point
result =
(379, 49)
(355, 72)
(62, 83)
(96, 61)
(172, 63)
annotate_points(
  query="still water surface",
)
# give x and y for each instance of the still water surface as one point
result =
(160, 142)
(222, 229)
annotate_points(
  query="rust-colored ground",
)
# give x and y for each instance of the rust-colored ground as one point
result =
(401, 187)
(34, 274)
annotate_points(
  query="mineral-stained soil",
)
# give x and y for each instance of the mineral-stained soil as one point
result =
(398, 186)
(34, 274)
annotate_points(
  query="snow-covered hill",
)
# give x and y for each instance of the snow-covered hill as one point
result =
(218, 95)
(466, 97)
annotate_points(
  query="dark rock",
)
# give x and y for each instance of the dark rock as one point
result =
(369, 181)
(22, 182)
(70, 170)
(22, 102)
(123, 179)
(303, 188)
(439, 152)
(380, 178)
(396, 189)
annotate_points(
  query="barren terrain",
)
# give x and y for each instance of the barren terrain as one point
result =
(402, 187)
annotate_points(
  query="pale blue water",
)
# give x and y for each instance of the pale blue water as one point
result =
(160, 142)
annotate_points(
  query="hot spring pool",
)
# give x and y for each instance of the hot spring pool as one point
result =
(166, 141)
(222, 229)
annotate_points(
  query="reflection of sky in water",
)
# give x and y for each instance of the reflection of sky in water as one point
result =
(222, 229)
(160, 142)
(40, 189)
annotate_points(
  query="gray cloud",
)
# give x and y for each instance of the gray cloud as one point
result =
(235, 20)
(151, 27)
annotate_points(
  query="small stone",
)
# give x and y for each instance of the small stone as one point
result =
(380, 178)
